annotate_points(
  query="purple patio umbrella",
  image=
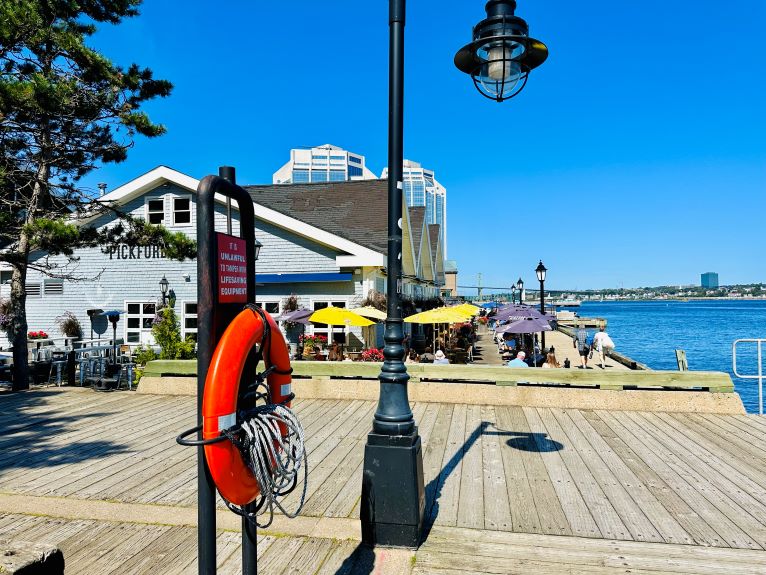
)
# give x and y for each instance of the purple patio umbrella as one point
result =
(526, 325)
(296, 316)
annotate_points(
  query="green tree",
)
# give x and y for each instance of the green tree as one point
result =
(64, 109)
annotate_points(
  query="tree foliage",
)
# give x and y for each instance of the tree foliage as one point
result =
(64, 110)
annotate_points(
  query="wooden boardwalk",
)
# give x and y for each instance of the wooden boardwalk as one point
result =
(543, 489)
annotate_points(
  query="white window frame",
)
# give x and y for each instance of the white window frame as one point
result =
(147, 213)
(186, 315)
(262, 302)
(145, 336)
(173, 199)
(336, 329)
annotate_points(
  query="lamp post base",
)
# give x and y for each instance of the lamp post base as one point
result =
(393, 494)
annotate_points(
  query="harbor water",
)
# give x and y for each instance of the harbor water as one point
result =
(651, 331)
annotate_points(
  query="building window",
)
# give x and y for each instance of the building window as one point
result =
(337, 175)
(190, 320)
(338, 158)
(155, 210)
(318, 157)
(355, 159)
(318, 176)
(300, 176)
(53, 287)
(5, 277)
(354, 171)
(270, 306)
(138, 322)
(338, 331)
(181, 211)
(33, 290)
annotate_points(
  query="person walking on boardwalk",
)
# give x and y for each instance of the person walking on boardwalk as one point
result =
(602, 341)
(581, 343)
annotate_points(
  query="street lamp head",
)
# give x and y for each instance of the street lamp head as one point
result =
(501, 54)
(520, 284)
(257, 249)
(540, 271)
(164, 284)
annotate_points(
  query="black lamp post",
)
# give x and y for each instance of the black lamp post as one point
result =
(393, 495)
(164, 286)
(520, 289)
(513, 293)
(541, 271)
(501, 54)
(257, 251)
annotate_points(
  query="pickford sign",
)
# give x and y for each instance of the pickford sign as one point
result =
(126, 252)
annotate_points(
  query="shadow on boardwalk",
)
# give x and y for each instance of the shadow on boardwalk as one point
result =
(523, 441)
(28, 432)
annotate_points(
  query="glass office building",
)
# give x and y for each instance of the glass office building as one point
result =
(709, 280)
(325, 163)
(422, 189)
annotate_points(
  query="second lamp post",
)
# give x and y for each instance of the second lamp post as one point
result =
(541, 271)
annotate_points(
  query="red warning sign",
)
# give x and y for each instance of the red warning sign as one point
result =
(232, 269)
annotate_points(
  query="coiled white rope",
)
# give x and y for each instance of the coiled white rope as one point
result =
(276, 459)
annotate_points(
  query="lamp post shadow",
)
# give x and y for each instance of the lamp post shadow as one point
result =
(520, 440)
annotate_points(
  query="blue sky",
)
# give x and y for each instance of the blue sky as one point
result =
(635, 156)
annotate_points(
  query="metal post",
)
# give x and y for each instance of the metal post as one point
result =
(542, 311)
(214, 316)
(228, 174)
(393, 496)
(249, 532)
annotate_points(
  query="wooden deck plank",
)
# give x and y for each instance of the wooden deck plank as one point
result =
(662, 520)
(147, 455)
(309, 557)
(339, 560)
(632, 515)
(470, 511)
(553, 520)
(712, 476)
(72, 477)
(274, 559)
(575, 486)
(717, 441)
(699, 531)
(446, 502)
(744, 429)
(656, 458)
(521, 499)
(433, 456)
(497, 509)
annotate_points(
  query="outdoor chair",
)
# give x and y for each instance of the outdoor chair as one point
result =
(58, 362)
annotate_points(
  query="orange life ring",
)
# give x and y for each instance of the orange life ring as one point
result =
(231, 475)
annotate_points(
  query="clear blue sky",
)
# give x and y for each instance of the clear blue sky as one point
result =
(636, 155)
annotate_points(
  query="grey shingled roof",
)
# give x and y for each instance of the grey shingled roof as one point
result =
(356, 211)
(417, 215)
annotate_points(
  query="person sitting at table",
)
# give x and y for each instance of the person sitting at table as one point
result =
(413, 357)
(427, 357)
(335, 354)
(518, 361)
(318, 355)
(440, 358)
(550, 361)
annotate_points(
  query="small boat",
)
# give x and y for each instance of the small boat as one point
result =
(568, 302)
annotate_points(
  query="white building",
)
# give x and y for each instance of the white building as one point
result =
(325, 163)
(325, 247)
(422, 189)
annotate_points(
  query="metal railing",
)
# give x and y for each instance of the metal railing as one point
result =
(760, 375)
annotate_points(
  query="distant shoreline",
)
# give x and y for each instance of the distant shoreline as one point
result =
(691, 298)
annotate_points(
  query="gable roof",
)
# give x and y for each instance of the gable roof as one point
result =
(417, 215)
(360, 254)
(355, 210)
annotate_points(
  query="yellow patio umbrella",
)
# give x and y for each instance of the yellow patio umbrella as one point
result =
(332, 315)
(438, 315)
(468, 308)
(370, 312)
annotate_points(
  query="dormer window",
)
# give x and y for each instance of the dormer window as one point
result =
(181, 211)
(155, 210)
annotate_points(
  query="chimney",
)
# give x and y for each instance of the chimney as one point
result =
(101, 189)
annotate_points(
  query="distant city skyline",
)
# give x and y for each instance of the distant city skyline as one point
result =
(612, 170)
